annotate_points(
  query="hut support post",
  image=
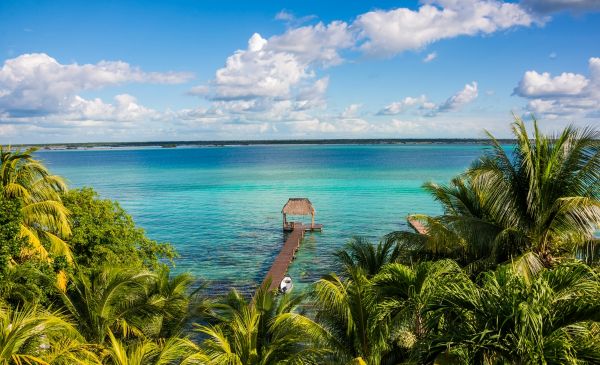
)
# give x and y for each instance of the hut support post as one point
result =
(312, 223)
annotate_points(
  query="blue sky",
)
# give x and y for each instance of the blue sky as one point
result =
(80, 71)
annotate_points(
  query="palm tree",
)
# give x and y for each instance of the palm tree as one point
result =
(262, 331)
(168, 300)
(352, 325)
(29, 335)
(111, 299)
(26, 283)
(360, 253)
(544, 197)
(169, 351)
(404, 294)
(44, 222)
(549, 317)
(129, 303)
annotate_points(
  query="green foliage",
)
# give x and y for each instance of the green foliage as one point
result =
(44, 219)
(22, 282)
(103, 232)
(544, 198)
(353, 326)
(549, 318)
(30, 335)
(360, 253)
(28, 283)
(146, 352)
(10, 241)
(264, 331)
(131, 303)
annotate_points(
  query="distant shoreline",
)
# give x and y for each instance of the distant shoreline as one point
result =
(175, 144)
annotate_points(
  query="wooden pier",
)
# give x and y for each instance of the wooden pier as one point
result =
(280, 266)
(416, 225)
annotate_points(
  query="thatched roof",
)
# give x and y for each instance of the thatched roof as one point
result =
(298, 206)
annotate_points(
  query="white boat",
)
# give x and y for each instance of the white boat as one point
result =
(286, 285)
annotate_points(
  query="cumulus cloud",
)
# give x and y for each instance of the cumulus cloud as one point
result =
(273, 67)
(534, 84)
(404, 104)
(394, 31)
(468, 94)
(551, 6)
(351, 111)
(568, 94)
(258, 72)
(463, 97)
(318, 43)
(282, 72)
(276, 84)
(37, 84)
(277, 76)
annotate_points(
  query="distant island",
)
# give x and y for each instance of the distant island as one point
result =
(174, 144)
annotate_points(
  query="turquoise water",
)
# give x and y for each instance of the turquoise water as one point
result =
(220, 206)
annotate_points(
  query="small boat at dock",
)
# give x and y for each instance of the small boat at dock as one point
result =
(286, 285)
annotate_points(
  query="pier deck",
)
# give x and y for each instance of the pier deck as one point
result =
(416, 225)
(286, 255)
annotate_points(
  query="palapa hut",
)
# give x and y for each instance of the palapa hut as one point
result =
(297, 206)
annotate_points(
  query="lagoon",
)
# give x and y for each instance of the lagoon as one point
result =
(220, 206)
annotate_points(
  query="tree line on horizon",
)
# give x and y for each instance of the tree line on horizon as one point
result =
(509, 273)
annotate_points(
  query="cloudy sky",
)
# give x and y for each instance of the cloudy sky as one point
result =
(77, 71)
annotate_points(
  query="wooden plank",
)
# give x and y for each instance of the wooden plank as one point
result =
(417, 226)
(280, 266)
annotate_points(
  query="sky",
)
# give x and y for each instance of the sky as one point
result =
(181, 70)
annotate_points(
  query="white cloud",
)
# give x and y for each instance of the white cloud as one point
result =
(430, 57)
(566, 95)
(258, 72)
(551, 6)
(351, 111)
(275, 78)
(406, 103)
(467, 95)
(534, 84)
(280, 72)
(463, 97)
(395, 31)
(316, 43)
(37, 84)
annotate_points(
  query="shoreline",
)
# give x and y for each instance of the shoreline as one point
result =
(234, 143)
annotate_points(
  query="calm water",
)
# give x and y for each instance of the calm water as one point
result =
(220, 207)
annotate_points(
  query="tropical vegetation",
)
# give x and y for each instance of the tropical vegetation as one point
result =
(507, 274)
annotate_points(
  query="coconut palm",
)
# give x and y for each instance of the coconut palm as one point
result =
(29, 335)
(26, 283)
(167, 302)
(404, 294)
(128, 302)
(353, 327)
(262, 331)
(111, 299)
(45, 219)
(44, 222)
(360, 253)
(171, 351)
(544, 197)
(550, 317)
